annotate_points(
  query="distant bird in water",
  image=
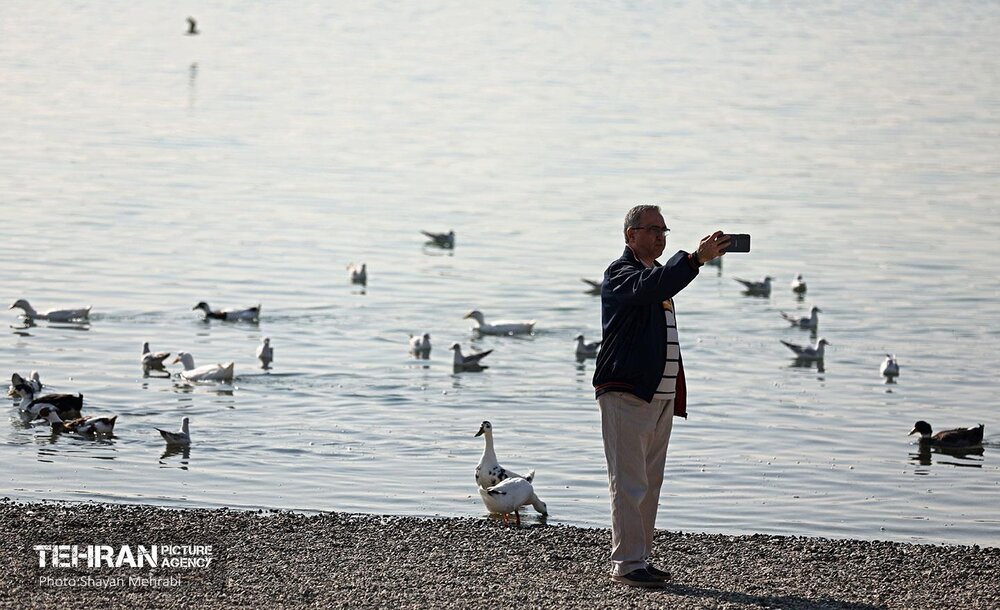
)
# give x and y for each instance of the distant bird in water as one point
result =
(192, 27)
(152, 360)
(441, 240)
(806, 352)
(265, 353)
(470, 362)
(957, 438)
(180, 438)
(250, 314)
(798, 285)
(810, 323)
(52, 315)
(420, 346)
(889, 368)
(358, 275)
(586, 350)
(756, 289)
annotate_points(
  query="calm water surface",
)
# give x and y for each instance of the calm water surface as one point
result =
(142, 171)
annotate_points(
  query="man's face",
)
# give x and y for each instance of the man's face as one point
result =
(648, 241)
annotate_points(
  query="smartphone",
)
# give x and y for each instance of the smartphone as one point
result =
(738, 242)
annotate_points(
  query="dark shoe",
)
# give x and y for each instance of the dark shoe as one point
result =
(658, 573)
(639, 578)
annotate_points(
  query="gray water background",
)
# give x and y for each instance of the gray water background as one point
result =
(142, 170)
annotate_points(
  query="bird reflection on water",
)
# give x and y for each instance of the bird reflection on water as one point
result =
(971, 457)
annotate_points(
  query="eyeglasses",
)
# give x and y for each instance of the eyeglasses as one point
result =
(655, 230)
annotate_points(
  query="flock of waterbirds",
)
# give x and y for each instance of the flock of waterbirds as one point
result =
(502, 491)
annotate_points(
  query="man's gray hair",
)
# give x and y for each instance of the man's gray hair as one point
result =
(632, 217)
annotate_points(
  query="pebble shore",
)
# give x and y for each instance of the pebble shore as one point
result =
(271, 559)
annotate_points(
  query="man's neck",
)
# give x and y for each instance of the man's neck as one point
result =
(649, 263)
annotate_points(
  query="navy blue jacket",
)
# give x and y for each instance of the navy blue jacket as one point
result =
(634, 347)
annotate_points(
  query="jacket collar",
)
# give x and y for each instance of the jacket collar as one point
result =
(630, 256)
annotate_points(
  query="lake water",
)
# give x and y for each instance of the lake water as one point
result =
(142, 171)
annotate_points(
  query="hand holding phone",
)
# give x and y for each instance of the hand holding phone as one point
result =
(738, 242)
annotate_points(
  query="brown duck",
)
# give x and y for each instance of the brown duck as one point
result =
(959, 437)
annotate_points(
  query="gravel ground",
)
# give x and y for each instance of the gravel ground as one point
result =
(281, 559)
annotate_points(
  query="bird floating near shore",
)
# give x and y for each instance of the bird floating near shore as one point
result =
(500, 327)
(192, 27)
(798, 285)
(358, 275)
(889, 368)
(208, 372)
(810, 323)
(441, 240)
(180, 438)
(420, 345)
(489, 472)
(265, 353)
(756, 289)
(586, 350)
(250, 314)
(956, 438)
(806, 352)
(152, 360)
(468, 363)
(52, 315)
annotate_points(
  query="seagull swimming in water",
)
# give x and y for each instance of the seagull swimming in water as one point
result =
(420, 346)
(52, 315)
(181, 437)
(265, 353)
(586, 350)
(152, 360)
(441, 240)
(805, 352)
(889, 368)
(810, 323)
(757, 289)
(500, 327)
(798, 285)
(192, 27)
(358, 275)
(470, 362)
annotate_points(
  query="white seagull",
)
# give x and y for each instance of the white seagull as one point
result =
(501, 327)
(358, 275)
(181, 437)
(811, 323)
(52, 315)
(441, 240)
(470, 362)
(152, 360)
(806, 352)
(889, 368)
(265, 353)
(798, 285)
(250, 314)
(209, 372)
(586, 350)
(509, 496)
(757, 289)
(420, 346)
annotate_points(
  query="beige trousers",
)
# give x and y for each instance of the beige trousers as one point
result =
(636, 434)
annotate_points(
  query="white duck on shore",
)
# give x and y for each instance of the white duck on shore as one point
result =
(509, 496)
(489, 472)
(52, 315)
(500, 327)
(208, 372)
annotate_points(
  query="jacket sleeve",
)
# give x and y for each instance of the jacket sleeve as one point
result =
(625, 283)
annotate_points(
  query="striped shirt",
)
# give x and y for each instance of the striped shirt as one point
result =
(668, 384)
